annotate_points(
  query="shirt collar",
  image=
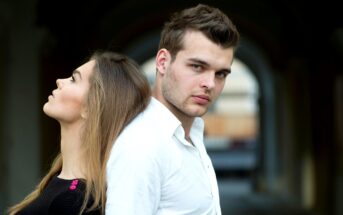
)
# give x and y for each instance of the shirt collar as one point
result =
(197, 132)
(169, 124)
(165, 120)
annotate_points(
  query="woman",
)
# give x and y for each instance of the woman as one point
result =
(92, 107)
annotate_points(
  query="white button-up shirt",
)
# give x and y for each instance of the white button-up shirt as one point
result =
(152, 169)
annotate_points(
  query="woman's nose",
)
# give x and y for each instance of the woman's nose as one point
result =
(59, 83)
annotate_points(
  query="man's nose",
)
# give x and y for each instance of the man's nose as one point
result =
(208, 80)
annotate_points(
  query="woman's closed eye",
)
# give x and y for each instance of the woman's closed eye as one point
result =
(72, 78)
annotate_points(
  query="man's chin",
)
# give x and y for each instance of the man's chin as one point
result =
(198, 113)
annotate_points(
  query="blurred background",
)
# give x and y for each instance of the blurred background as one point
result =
(275, 135)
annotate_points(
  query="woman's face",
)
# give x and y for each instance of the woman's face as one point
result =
(67, 102)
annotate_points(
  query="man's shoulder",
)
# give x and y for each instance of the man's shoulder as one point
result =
(156, 118)
(152, 127)
(143, 122)
(144, 128)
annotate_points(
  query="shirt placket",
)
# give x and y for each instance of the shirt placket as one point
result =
(206, 167)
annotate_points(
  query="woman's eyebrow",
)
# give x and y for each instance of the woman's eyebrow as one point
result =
(77, 72)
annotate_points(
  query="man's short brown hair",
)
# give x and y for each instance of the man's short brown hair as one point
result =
(212, 22)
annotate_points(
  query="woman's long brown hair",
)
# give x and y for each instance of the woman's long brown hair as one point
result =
(118, 92)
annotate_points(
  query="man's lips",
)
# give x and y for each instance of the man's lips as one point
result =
(202, 99)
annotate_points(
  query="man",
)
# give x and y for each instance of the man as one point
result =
(159, 164)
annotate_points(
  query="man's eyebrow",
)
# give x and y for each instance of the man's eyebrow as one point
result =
(204, 63)
(228, 71)
(199, 61)
(77, 72)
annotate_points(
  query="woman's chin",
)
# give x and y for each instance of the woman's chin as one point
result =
(46, 110)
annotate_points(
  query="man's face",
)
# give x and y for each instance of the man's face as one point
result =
(196, 77)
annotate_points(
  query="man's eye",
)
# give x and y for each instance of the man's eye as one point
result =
(196, 67)
(222, 74)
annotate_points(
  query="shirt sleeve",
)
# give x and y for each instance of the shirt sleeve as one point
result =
(133, 182)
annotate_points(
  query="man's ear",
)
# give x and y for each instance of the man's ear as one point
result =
(163, 59)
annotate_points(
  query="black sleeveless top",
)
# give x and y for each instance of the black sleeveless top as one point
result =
(60, 197)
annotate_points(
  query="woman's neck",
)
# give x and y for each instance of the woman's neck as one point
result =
(71, 150)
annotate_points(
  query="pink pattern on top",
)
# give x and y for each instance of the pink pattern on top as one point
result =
(73, 184)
